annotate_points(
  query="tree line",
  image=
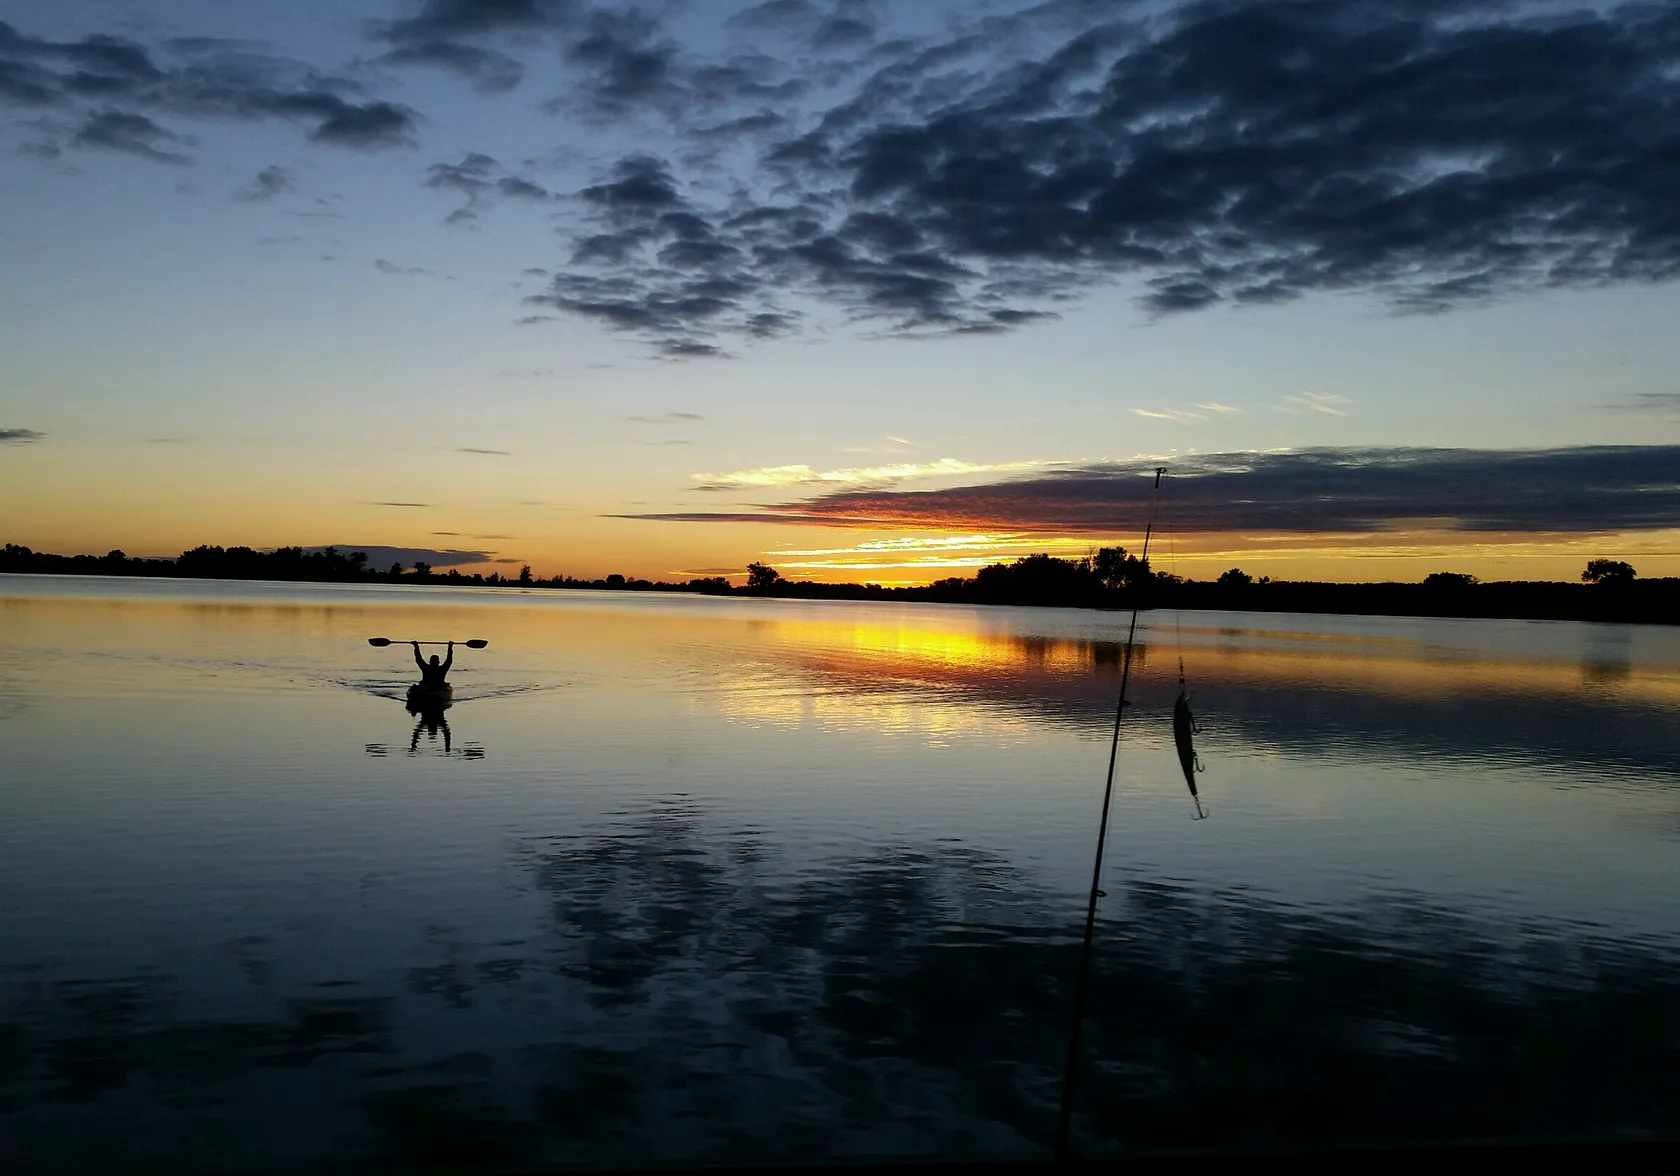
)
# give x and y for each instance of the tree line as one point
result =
(1109, 577)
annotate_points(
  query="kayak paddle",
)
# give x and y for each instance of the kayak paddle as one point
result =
(382, 642)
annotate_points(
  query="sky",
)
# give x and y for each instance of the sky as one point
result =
(867, 291)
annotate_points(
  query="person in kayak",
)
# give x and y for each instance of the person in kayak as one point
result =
(433, 673)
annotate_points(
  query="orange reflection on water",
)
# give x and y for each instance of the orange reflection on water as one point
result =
(901, 676)
(907, 650)
(983, 664)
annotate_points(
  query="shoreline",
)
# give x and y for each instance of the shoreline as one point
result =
(1643, 602)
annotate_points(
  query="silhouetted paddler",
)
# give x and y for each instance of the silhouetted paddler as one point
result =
(434, 673)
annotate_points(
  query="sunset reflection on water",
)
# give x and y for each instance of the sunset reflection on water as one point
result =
(702, 880)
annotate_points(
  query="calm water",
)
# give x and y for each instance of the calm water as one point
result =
(690, 880)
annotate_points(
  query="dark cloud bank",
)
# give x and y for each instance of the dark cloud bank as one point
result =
(1217, 152)
(1586, 489)
(1233, 152)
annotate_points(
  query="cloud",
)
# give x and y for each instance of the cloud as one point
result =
(1663, 402)
(928, 554)
(390, 267)
(202, 78)
(920, 543)
(496, 452)
(843, 32)
(20, 436)
(689, 349)
(267, 184)
(627, 61)
(668, 418)
(522, 189)
(1168, 414)
(132, 134)
(776, 15)
(1324, 402)
(39, 72)
(1321, 491)
(709, 571)
(412, 504)
(471, 177)
(454, 18)
(489, 72)
(1216, 153)
(621, 58)
(478, 177)
(893, 445)
(976, 179)
(344, 124)
(250, 86)
(804, 475)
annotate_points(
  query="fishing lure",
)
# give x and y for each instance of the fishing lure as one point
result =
(1184, 732)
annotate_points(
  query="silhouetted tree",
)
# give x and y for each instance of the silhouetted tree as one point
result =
(422, 569)
(1116, 569)
(524, 574)
(762, 576)
(1235, 578)
(1609, 572)
(1448, 580)
(1041, 578)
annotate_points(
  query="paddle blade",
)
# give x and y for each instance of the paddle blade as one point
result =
(379, 642)
(477, 643)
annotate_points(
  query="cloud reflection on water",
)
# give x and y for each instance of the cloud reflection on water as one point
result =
(695, 993)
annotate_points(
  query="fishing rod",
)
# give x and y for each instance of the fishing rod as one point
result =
(382, 642)
(1082, 984)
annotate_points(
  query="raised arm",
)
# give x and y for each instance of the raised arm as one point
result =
(418, 660)
(449, 658)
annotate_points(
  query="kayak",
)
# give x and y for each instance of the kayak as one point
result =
(430, 697)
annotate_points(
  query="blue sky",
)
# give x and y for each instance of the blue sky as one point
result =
(269, 268)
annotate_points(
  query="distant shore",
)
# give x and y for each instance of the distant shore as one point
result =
(1039, 580)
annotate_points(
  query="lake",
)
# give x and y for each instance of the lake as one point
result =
(685, 880)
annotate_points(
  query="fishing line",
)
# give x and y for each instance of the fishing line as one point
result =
(1178, 616)
(1082, 983)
